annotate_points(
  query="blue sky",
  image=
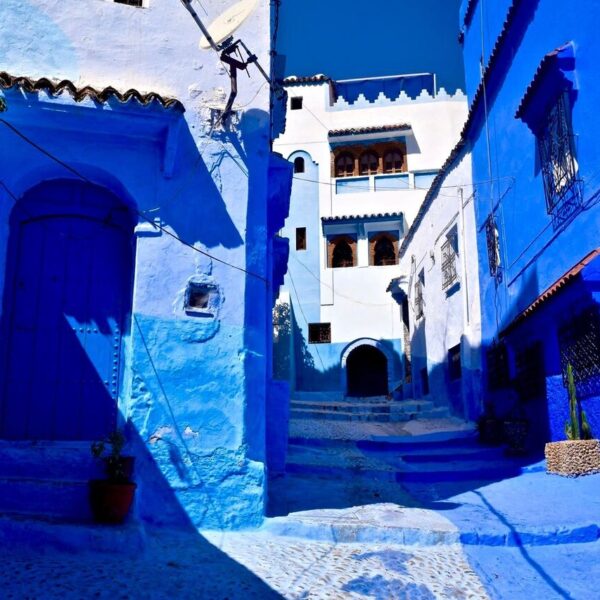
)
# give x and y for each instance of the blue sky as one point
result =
(352, 38)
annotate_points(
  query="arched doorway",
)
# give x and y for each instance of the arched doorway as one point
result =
(66, 303)
(367, 372)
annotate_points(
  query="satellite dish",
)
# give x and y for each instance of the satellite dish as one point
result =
(223, 26)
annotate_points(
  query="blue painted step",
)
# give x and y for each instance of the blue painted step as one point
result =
(47, 479)
(54, 498)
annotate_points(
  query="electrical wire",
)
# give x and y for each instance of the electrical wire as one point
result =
(163, 229)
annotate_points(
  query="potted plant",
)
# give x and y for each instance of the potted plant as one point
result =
(489, 426)
(579, 454)
(111, 498)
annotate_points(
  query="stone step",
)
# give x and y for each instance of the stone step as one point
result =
(412, 407)
(48, 460)
(376, 415)
(384, 523)
(67, 499)
(42, 531)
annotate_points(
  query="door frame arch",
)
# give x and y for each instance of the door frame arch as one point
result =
(365, 342)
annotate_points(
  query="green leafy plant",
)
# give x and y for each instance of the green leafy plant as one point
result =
(577, 427)
(3, 107)
(109, 451)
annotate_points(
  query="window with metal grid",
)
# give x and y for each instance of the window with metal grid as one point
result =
(493, 245)
(419, 302)
(579, 342)
(557, 157)
(449, 254)
(319, 333)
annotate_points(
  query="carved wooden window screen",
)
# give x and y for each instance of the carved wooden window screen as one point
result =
(344, 165)
(369, 163)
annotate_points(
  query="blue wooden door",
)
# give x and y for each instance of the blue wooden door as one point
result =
(66, 304)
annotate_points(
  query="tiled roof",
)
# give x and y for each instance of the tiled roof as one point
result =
(304, 80)
(397, 215)
(469, 123)
(374, 129)
(531, 88)
(558, 285)
(53, 88)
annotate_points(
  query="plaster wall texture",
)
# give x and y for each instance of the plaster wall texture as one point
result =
(354, 300)
(193, 388)
(534, 252)
(452, 316)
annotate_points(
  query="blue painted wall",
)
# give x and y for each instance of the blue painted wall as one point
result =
(194, 385)
(534, 253)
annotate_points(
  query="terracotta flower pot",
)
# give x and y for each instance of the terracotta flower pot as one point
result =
(110, 501)
(573, 457)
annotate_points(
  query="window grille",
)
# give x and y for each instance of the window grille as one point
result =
(454, 364)
(559, 167)
(579, 342)
(449, 254)
(497, 367)
(530, 380)
(319, 333)
(419, 303)
(493, 245)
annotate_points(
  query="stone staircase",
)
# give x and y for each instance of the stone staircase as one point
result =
(46, 479)
(375, 409)
(44, 499)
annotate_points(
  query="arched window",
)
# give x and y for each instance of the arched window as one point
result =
(299, 165)
(384, 252)
(342, 255)
(344, 165)
(369, 163)
(393, 162)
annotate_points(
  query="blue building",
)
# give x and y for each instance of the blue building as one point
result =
(531, 77)
(136, 272)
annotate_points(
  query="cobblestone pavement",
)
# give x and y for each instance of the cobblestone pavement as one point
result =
(242, 566)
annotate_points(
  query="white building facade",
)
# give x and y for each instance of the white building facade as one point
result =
(365, 153)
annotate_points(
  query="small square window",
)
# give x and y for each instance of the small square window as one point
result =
(454, 366)
(296, 103)
(300, 238)
(201, 298)
(138, 3)
(319, 333)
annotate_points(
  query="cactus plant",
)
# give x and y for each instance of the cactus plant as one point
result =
(577, 427)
